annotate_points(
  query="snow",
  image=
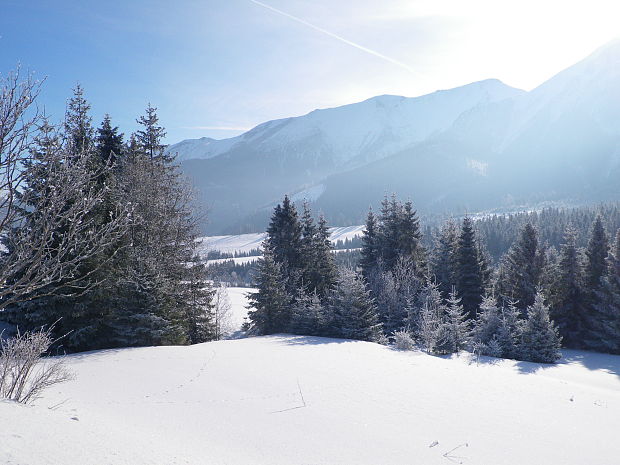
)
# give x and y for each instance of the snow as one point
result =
(309, 194)
(345, 232)
(238, 303)
(247, 242)
(371, 129)
(236, 260)
(300, 400)
(230, 244)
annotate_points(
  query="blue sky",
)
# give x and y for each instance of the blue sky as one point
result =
(216, 68)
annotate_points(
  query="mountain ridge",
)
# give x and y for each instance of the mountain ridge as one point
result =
(479, 146)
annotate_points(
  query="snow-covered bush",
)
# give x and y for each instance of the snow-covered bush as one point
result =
(24, 374)
(403, 340)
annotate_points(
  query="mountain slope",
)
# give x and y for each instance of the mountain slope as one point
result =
(475, 147)
(239, 176)
(560, 142)
(299, 400)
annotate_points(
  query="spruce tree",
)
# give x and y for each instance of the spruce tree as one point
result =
(540, 339)
(603, 333)
(319, 272)
(409, 240)
(284, 239)
(78, 124)
(522, 269)
(470, 269)
(510, 331)
(431, 319)
(352, 310)
(487, 328)
(161, 276)
(444, 257)
(326, 273)
(370, 253)
(455, 332)
(568, 297)
(308, 316)
(109, 142)
(270, 305)
(596, 254)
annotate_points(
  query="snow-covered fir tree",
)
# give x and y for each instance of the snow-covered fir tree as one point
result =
(567, 295)
(540, 340)
(604, 329)
(521, 269)
(308, 315)
(270, 305)
(471, 272)
(455, 331)
(352, 311)
(431, 318)
(444, 258)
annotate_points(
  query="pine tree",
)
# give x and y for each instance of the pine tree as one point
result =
(567, 293)
(470, 271)
(352, 310)
(540, 339)
(270, 306)
(522, 269)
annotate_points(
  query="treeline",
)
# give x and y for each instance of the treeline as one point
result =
(117, 265)
(499, 232)
(445, 297)
(218, 255)
(232, 274)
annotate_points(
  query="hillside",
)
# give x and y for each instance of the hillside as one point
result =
(480, 146)
(299, 400)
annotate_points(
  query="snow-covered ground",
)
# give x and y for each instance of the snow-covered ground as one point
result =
(246, 242)
(302, 400)
(238, 301)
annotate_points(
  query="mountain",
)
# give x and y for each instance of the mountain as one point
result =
(479, 146)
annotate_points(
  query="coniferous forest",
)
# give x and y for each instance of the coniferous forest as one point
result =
(525, 304)
(99, 230)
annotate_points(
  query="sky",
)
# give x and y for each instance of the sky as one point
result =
(216, 68)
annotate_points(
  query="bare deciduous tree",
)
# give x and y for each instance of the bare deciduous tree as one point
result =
(48, 243)
(223, 313)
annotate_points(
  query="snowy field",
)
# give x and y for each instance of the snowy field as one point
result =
(247, 242)
(238, 302)
(302, 400)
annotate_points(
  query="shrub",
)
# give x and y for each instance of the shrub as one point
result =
(24, 374)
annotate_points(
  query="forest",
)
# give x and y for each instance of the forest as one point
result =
(526, 305)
